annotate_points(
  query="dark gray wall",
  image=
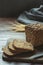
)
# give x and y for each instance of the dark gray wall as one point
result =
(15, 7)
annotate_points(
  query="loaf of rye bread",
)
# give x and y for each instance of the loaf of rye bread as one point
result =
(34, 34)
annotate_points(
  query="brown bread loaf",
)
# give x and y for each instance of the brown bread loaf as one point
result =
(34, 34)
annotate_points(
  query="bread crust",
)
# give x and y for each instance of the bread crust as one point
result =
(11, 48)
(34, 34)
(7, 52)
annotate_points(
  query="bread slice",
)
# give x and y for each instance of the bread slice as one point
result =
(34, 34)
(22, 45)
(11, 48)
(14, 50)
(8, 52)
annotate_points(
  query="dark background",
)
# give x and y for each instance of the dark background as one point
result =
(11, 8)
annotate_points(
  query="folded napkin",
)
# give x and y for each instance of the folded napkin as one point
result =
(35, 15)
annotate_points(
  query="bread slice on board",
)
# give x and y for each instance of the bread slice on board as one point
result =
(22, 45)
